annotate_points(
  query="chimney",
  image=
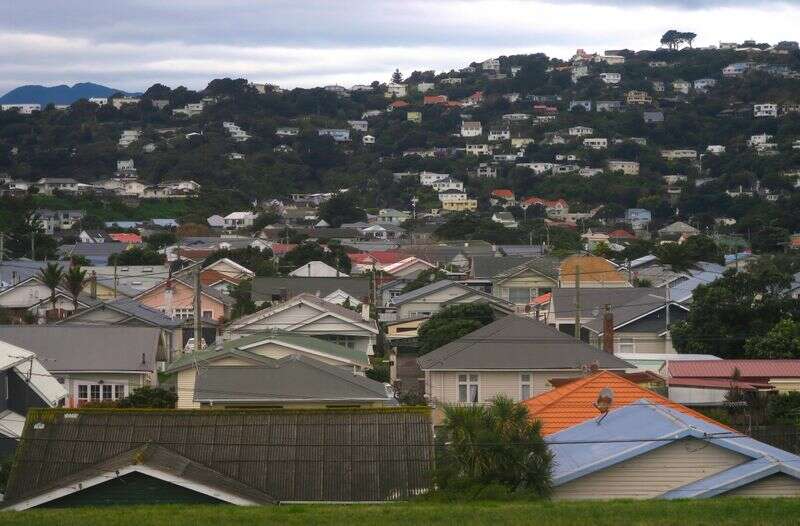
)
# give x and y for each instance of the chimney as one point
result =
(365, 311)
(608, 330)
(93, 285)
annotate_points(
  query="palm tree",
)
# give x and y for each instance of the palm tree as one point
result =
(51, 276)
(493, 444)
(74, 280)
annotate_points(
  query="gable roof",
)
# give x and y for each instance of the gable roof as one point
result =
(107, 349)
(518, 343)
(293, 378)
(27, 366)
(725, 368)
(204, 289)
(634, 310)
(444, 284)
(221, 450)
(128, 307)
(241, 347)
(489, 266)
(264, 288)
(311, 300)
(593, 269)
(643, 426)
(573, 403)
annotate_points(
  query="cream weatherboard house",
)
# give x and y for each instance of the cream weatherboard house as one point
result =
(432, 298)
(209, 378)
(311, 316)
(514, 356)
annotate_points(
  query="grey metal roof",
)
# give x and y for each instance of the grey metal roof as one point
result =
(440, 285)
(498, 267)
(292, 378)
(93, 249)
(130, 307)
(264, 288)
(593, 300)
(17, 270)
(522, 250)
(302, 455)
(518, 343)
(74, 348)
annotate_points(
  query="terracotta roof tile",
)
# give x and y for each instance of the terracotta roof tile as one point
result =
(573, 403)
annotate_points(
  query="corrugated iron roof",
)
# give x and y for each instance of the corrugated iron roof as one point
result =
(725, 369)
(573, 403)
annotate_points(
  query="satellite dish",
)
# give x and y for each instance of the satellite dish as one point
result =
(605, 399)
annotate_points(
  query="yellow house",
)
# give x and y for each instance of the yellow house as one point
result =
(468, 205)
(414, 116)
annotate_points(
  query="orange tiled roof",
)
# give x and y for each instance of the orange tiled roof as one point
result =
(123, 237)
(593, 269)
(573, 403)
(209, 277)
(503, 192)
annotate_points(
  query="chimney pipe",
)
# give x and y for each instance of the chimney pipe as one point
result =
(93, 285)
(608, 330)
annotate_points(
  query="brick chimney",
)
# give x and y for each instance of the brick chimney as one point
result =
(608, 330)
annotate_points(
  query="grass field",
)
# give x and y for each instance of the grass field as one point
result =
(619, 513)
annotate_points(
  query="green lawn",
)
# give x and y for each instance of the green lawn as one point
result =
(619, 513)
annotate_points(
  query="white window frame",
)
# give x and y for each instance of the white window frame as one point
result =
(469, 380)
(184, 313)
(91, 386)
(626, 345)
(523, 384)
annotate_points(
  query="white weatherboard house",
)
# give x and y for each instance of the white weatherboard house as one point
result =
(309, 315)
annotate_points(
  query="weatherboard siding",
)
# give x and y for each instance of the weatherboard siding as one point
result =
(443, 386)
(648, 476)
(778, 485)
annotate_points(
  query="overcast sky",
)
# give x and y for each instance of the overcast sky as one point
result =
(131, 44)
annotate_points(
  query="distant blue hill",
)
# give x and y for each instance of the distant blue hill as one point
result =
(62, 94)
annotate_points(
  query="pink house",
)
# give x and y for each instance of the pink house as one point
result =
(175, 298)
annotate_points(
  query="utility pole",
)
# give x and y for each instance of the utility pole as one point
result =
(630, 271)
(33, 246)
(197, 311)
(578, 302)
(666, 312)
(115, 276)
(2, 245)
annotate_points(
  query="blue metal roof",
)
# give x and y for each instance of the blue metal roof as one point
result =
(638, 428)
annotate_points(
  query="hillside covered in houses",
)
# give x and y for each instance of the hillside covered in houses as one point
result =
(521, 279)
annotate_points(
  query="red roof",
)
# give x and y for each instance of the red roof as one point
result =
(434, 99)
(621, 234)
(477, 96)
(279, 249)
(131, 239)
(718, 383)
(573, 403)
(725, 368)
(399, 104)
(211, 276)
(547, 203)
(543, 299)
(503, 192)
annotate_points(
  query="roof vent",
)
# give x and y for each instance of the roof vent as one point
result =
(605, 399)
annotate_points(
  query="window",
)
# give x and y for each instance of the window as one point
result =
(525, 383)
(184, 314)
(207, 314)
(519, 296)
(626, 345)
(468, 388)
(100, 392)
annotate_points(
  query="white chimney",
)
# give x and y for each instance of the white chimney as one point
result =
(365, 311)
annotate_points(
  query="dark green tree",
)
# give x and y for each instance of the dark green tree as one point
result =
(480, 445)
(341, 208)
(451, 323)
